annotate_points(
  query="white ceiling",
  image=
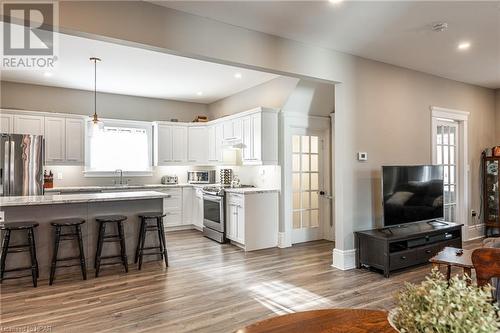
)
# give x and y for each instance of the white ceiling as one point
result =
(139, 72)
(395, 32)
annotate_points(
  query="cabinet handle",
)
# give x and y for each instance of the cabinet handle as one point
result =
(403, 258)
(428, 251)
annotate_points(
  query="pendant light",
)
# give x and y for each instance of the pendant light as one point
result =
(96, 123)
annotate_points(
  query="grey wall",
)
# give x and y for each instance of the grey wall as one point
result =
(380, 108)
(285, 93)
(63, 100)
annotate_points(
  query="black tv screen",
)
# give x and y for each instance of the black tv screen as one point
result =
(412, 193)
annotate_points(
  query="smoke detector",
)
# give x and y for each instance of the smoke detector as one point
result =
(439, 27)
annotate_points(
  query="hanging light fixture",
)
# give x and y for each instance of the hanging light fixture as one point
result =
(97, 124)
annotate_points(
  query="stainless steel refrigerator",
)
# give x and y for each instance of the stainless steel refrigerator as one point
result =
(21, 164)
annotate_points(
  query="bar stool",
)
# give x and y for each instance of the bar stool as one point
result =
(28, 228)
(157, 217)
(75, 234)
(102, 238)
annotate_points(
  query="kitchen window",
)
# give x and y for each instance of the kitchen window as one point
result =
(119, 145)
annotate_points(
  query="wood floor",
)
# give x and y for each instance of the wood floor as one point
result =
(207, 288)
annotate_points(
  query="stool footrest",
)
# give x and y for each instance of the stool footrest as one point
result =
(16, 277)
(112, 263)
(68, 258)
(18, 269)
(110, 257)
(68, 265)
(152, 253)
(19, 250)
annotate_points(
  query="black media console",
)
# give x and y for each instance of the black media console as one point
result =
(394, 248)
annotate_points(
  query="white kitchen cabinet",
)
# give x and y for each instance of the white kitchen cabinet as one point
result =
(64, 140)
(215, 133)
(252, 219)
(260, 136)
(75, 140)
(55, 140)
(172, 207)
(232, 129)
(28, 124)
(179, 144)
(237, 128)
(198, 208)
(197, 144)
(171, 144)
(6, 123)
(164, 144)
(187, 205)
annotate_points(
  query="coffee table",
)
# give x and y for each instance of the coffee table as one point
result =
(324, 321)
(448, 256)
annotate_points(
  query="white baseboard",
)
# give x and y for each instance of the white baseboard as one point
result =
(282, 241)
(344, 260)
(475, 231)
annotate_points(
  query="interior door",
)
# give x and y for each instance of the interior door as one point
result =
(308, 182)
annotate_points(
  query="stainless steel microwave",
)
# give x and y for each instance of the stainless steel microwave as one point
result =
(201, 177)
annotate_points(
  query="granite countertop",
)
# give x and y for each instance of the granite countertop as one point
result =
(97, 188)
(79, 198)
(250, 190)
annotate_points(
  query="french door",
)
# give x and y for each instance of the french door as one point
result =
(445, 152)
(307, 180)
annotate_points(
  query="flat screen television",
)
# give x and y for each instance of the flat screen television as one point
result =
(412, 194)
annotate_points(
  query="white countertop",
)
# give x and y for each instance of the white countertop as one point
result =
(79, 198)
(250, 190)
(98, 188)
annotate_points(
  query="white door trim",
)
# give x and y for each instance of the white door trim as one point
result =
(290, 122)
(462, 117)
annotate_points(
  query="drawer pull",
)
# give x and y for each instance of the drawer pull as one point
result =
(428, 251)
(403, 258)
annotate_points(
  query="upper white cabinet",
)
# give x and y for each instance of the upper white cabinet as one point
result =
(55, 143)
(197, 144)
(179, 144)
(215, 133)
(260, 137)
(75, 138)
(64, 140)
(28, 124)
(6, 123)
(171, 144)
(163, 138)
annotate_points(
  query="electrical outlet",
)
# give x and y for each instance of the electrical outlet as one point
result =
(473, 213)
(2, 217)
(362, 156)
(60, 175)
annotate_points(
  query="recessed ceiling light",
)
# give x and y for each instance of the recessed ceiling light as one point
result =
(47, 74)
(463, 46)
(238, 75)
(199, 93)
(335, 1)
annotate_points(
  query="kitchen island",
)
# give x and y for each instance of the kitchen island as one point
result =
(46, 208)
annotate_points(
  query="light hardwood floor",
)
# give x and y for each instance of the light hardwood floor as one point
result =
(207, 288)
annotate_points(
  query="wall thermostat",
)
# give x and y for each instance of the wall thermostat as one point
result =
(362, 156)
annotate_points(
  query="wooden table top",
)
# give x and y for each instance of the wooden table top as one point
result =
(448, 256)
(323, 321)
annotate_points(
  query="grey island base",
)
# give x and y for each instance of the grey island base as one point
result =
(44, 209)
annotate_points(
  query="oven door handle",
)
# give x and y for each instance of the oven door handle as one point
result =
(211, 197)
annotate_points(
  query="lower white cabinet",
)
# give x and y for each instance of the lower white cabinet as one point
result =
(198, 208)
(252, 220)
(172, 206)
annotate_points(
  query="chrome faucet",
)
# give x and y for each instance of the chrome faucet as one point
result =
(121, 177)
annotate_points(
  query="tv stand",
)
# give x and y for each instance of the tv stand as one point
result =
(405, 247)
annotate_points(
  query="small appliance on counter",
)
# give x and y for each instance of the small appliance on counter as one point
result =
(201, 177)
(169, 180)
(226, 177)
(48, 179)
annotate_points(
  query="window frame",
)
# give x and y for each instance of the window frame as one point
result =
(147, 126)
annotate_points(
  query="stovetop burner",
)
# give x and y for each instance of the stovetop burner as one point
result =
(219, 189)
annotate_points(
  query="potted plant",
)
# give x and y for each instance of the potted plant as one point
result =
(436, 306)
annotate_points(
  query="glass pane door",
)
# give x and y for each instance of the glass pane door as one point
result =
(305, 177)
(446, 150)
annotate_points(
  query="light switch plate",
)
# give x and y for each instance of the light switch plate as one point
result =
(362, 156)
(59, 175)
(2, 217)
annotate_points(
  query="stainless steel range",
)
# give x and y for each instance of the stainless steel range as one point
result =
(214, 208)
(214, 212)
